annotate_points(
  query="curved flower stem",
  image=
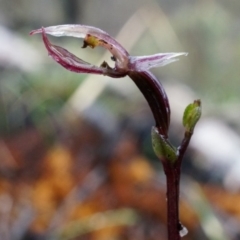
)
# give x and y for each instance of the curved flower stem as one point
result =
(156, 97)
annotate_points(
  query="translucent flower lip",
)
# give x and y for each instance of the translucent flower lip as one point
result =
(100, 37)
(67, 59)
(70, 30)
(75, 64)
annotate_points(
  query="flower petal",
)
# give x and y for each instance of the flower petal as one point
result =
(90, 34)
(69, 60)
(144, 63)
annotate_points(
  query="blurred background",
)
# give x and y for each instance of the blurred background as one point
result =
(76, 160)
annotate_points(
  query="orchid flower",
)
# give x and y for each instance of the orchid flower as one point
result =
(135, 67)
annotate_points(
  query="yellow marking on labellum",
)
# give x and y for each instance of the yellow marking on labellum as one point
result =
(90, 41)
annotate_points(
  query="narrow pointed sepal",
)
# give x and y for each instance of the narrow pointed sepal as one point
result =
(144, 63)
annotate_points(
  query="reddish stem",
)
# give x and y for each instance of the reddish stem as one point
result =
(173, 178)
(173, 174)
(157, 99)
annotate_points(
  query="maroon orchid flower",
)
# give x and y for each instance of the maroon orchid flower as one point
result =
(137, 68)
(133, 66)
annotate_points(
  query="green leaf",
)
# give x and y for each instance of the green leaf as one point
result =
(162, 147)
(191, 115)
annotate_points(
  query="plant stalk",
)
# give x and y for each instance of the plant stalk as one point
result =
(173, 174)
(173, 178)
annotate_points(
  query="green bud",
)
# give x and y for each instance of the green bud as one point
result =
(162, 147)
(191, 115)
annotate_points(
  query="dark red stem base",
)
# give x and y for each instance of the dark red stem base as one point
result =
(173, 223)
(173, 174)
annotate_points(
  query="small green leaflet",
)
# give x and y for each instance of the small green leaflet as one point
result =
(162, 147)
